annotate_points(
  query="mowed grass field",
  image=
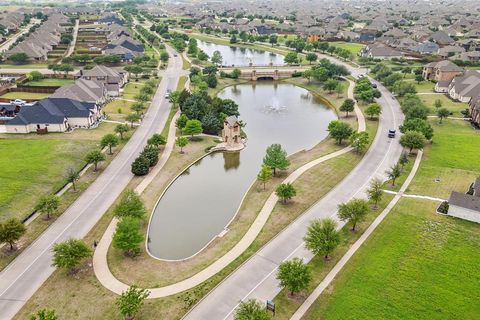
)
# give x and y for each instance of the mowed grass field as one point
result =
(416, 265)
(354, 48)
(25, 95)
(34, 167)
(452, 158)
(50, 82)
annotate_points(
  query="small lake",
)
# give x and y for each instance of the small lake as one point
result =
(241, 56)
(202, 201)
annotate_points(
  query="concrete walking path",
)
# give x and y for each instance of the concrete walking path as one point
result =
(109, 281)
(339, 266)
(416, 196)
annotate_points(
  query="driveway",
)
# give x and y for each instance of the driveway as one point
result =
(20, 280)
(256, 278)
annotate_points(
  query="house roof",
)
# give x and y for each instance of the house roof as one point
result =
(465, 201)
(444, 65)
(82, 90)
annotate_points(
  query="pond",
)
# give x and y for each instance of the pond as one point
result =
(201, 202)
(241, 56)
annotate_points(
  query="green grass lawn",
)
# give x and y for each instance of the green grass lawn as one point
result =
(424, 86)
(24, 95)
(132, 88)
(354, 48)
(23, 66)
(453, 106)
(50, 82)
(452, 158)
(416, 265)
(117, 109)
(35, 167)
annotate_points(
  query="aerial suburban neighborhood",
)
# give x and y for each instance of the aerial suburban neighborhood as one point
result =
(246, 160)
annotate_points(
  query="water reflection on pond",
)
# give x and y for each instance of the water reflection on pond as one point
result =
(201, 202)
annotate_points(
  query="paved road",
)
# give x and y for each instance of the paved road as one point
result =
(20, 280)
(4, 46)
(256, 278)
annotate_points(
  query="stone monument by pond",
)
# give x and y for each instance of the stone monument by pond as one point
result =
(231, 135)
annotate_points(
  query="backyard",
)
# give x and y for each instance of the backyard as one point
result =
(25, 95)
(54, 82)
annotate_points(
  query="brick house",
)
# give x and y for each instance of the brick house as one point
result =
(441, 71)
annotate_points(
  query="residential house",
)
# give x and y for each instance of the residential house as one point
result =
(426, 48)
(114, 79)
(54, 115)
(91, 91)
(442, 39)
(474, 105)
(380, 51)
(126, 47)
(466, 206)
(450, 51)
(465, 87)
(441, 71)
(471, 56)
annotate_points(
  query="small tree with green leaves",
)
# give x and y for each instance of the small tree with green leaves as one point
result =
(72, 177)
(95, 156)
(181, 121)
(330, 85)
(347, 106)
(294, 275)
(322, 237)
(339, 130)
(132, 118)
(109, 140)
(48, 205)
(138, 107)
(437, 104)
(339, 89)
(442, 113)
(412, 140)
(181, 142)
(375, 192)
(127, 236)
(359, 141)
(157, 140)
(44, 314)
(121, 129)
(217, 58)
(264, 175)
(285, 191)
(11, 231)
(394, 173)
(353, 211)
(69, 254)
(403, 159)
(131, 205)
(276, 158)
(192, 127)
(373, 110)
(131, 300)
(251, 310)
(140, 166)
(311, 57)
(174, 98)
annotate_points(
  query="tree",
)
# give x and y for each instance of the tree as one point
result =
(121, 129)
(109, 140)
(65, 68)
(135, 69)
(291, 58)
(418, 78)
(164, 57)
(419, 125)
(44, 314)
(69, 254)
(128, 236)
(174, 98)
(130, 205)
(438, 104)
(311, 57)
(251, 310)
(347, 106)
(285, 191)
(359, 140)
(322, 237)
(393, 173)
(375, 192)
(157, 140)
(354, 211)
(217, 58)
(403, 159)
(95, 156)
(294, 275)
(339, 130)
(273, 39)
(276, 158)
(181, 142)
(18, 58)
(373, 110)
(11, 231)
(181, 121)
(412, 140)
(264, 175)
(140, 166)
(138, 107)
(35, 76)
(235, 73)
(48, 205)
(72, 177)
(339, 89)
(132, 117)
(131, 300)
(443, 113)
(330, 85)
(192, 127)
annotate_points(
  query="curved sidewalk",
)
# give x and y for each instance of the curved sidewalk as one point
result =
(108, 280)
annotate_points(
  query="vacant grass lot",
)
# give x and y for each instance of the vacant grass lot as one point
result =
(34, 167)
(354, 48)
(416, 265)
(50, 82)
(132, 88)
(452, 158)
(117, 109)
(25, 95)
(453, 106)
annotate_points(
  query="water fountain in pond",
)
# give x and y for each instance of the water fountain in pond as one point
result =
(275, 107)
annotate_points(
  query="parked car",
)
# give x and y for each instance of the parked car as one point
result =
(167, 94)
(374, 85)
(391, 133)
(18, 102)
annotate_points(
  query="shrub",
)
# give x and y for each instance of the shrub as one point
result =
(140, 166)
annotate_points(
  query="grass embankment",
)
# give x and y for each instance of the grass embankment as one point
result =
(55, 82)
(156, 273)
(416, 265)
